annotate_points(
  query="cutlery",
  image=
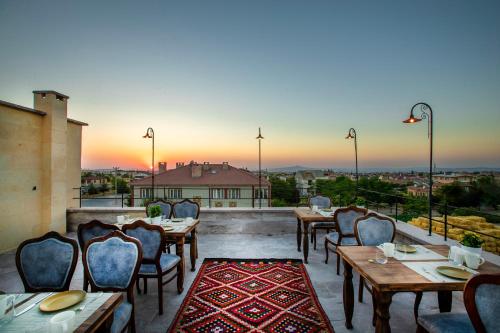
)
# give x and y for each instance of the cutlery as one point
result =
(81, 308)
(32, 305)
(432, 274)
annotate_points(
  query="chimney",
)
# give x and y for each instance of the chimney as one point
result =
(206, 166)
(225, 166)
(54, 139)
(179, 165)
(196, 170)
(162, 167)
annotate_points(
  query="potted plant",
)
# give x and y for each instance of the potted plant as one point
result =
(471, 242)
(154, 213)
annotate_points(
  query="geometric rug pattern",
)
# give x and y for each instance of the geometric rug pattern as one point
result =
(251, 295)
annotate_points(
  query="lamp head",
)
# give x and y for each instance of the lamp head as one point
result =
(260, 135)
(149, 134)
(412, 119)
(351, 134)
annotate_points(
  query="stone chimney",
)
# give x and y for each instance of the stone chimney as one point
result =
(206, 166)
(179, 165)
(54, 139)
(225, 166)
(162, 167)
(196, 170)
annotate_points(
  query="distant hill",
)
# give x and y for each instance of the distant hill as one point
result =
(291, 169)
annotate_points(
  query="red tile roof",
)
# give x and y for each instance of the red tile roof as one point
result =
(214, 176)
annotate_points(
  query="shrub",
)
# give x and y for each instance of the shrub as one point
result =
(154, 211)
(471, 239)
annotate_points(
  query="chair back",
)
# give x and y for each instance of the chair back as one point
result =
(166, 207)
(482, 301)
(373, 230)
(320, 201)
(152, 238)
(111, 262)
(47, 263)
(346, 217)
(186, 208)
(93, 229)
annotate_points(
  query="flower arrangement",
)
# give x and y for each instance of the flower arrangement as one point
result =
(154, 211)
(471, 239)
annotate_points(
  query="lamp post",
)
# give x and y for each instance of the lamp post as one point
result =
(260, 137)
(352, 135)
(426, 113)
(150, 134)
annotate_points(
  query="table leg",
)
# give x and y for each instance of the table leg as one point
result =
(348, 295)
(305, 240)
(193, 249)
(299, 233)
(384, 300)
(444, 301)
(179, 249)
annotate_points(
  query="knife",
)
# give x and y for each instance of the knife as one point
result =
(32, 306)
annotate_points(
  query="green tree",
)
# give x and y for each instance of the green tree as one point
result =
(283, 192)
(92, 189)
(413, 207)
(103, 188)
(122, 186)
(342, 190)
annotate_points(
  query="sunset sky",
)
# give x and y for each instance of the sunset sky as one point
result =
(205, 75)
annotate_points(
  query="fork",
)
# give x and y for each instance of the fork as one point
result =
(81, 308)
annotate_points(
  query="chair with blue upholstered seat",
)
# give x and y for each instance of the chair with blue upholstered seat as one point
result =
(187, 208)
(111, 263)
(47, 263)
(92, 229)
(482, 304)
(155, 264)
(373, 230)
(344, 235)
(166, 207)
(321, 202)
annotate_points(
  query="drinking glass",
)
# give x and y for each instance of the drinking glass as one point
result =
(381, 258)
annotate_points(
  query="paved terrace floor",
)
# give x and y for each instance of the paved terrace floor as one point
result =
(327, 284)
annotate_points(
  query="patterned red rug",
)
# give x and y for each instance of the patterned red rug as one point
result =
(258, 295)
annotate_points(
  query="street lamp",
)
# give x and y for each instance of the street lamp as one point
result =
(352, 135)
(260, 137)
(150, 134)
(424, 107)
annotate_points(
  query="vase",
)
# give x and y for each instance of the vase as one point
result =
(475, 250)
(156, 220)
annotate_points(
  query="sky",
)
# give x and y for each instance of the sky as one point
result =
(205, 75)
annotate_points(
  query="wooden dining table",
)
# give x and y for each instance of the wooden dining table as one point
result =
(178, 236)
(305, 216)
(96, 315)
(393, 277)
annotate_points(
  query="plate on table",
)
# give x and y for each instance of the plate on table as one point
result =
(454, 272)
(326, 210)
(177, 220)
(406, 248)
(168, 227)
(62, 300)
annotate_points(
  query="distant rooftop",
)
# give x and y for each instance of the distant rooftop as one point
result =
(203, 174)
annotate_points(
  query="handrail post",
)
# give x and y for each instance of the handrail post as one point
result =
(80, 196)
(445, 220)
(396, 210)
(122, 199)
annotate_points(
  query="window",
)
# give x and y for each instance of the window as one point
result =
(174, 193)
(233, 193)
(217, 193)
(263, 192)
(146, 193)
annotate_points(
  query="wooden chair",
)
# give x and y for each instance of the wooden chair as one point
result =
(47, 263)
(187, 208)
(166, 210)
(373, 230)
(155, 264)
(321, 202)
(111, 263)
(87, 231)
(482, 304)
(344, 235)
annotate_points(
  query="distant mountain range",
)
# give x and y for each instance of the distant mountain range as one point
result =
(295, 168)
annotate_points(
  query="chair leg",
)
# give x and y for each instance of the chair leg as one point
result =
(338, 264)
(160, 295)
(85, 283)
(137, 285)
(418, 299)
(131, 323)
(326, 251)
(168, 249)
(145, 282)
(361, 288)
(313, 230)
(420, 329)
(314, 239)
